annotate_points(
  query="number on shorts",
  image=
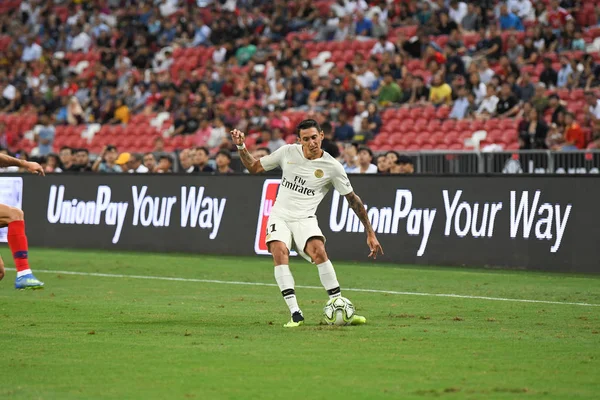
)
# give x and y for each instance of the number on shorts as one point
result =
(272, 229)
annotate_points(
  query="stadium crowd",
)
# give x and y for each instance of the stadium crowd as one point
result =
(156, 85)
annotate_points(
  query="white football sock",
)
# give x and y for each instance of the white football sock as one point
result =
(285, 281)
(329, 279)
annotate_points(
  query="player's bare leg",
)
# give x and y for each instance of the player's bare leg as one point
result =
(285, 281)
(315, 248)
(17, 241)
(1, 268)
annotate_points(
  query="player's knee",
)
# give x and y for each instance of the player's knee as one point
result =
(316, 250)
(16, 214)
(279, 252)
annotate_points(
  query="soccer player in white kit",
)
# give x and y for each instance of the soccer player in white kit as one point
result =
(308, 174)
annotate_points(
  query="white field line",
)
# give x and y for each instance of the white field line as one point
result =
(166, 278)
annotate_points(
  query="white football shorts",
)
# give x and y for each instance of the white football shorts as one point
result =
(297, 231)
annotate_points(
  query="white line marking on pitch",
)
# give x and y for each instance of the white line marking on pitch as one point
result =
(166, 278)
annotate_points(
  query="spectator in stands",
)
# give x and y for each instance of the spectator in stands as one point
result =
(514, 50)
(106, 162)
(165, 164)
(218, 134)
(461, 105)
(390, 92)
(593, 103)
(383, 166)
(532, 131)
(364, 165)
(82, 161)
(403, 165)
(549, 76)
(328, 143)
(418, 92)
(350, 157)
(574, 135)
(508, 104)
(223, 160)
(508, 20)
(440, 92)
(344, 131)
(185, 162)
(458, 11)
(364, 26)
(557, 16)
(472, 21)
(31, 51)
(383, 46)
(550, 39)
(150, 162)
(134, 164)
(66, 160)
(490, 46)
(200, 160)
(52, 163)
(526, 88)
(556, 107)
(530, 52)
(45, 136)
(379, 27)
(522, 9)
(487, 108)
(564, 73)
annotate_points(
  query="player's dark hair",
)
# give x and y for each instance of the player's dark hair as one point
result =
(307, 124)
(166, 157)
(66, 148)
(86, 151)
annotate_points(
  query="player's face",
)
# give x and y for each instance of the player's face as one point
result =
(311, 140)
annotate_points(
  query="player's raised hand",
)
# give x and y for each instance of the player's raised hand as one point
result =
(374, 245)
(238, 137)
(34, 168)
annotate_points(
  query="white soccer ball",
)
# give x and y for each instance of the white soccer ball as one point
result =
(338, 311)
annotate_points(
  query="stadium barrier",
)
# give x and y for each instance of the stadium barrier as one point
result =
(530, 222)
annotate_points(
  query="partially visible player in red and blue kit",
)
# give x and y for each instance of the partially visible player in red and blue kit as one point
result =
(13, 218)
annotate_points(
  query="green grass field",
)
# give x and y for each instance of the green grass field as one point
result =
(110, 337)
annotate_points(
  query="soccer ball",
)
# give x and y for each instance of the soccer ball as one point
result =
(338, 311)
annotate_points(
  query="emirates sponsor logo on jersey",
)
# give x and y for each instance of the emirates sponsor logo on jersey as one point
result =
(267, 200)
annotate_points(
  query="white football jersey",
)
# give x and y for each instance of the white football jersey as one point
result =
(304, 182)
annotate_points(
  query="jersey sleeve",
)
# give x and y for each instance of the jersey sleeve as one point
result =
(340, 181)
(273, 160)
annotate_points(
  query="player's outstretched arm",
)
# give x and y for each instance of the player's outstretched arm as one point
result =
(359, 209)
(252, 164)
(33, 167)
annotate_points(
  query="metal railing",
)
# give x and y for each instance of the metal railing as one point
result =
(506, 162)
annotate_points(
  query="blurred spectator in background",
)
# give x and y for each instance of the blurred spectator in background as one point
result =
(165, 164)
(106, 162)
(82, 160)
(135, 164)
(350, 157)
(45, 136)
(123, 161)
(223, 160)
(344, 131)
(185, 162)
(150, 162)
(532, 131)
(200, 160)
(403, 165)
(364, 165)
(461, 104)
(383, 166)
(328, 143)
